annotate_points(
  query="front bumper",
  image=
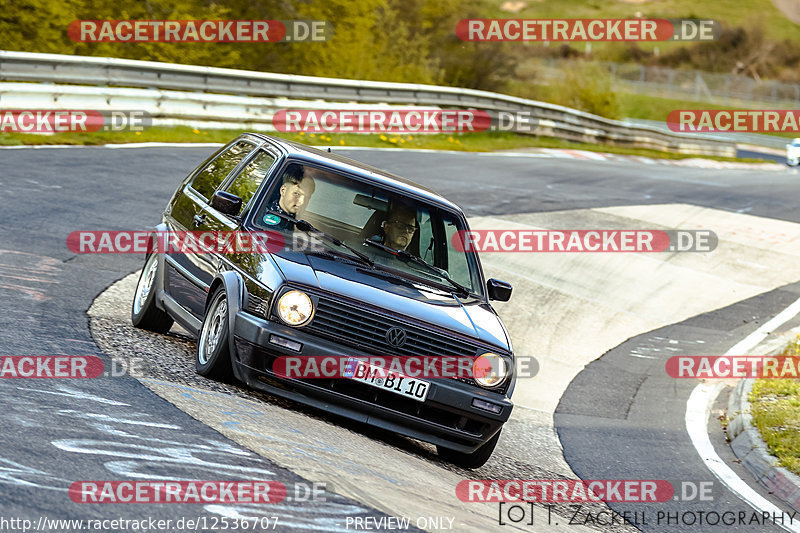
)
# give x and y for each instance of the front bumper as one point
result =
(446, 417)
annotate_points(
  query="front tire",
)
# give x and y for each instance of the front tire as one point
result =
(144, 313)
(213, 358)
(475, 459)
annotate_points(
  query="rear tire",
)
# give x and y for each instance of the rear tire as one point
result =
(144, 313)
(475, 459)
(213, 358)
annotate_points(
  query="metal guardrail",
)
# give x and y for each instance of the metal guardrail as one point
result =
(168, 83)
(755, 139)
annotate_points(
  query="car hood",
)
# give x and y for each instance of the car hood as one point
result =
(418, 302)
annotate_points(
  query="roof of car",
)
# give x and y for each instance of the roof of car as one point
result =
(301, 151)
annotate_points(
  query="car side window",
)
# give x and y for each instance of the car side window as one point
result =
(247, 182)
(208, 179)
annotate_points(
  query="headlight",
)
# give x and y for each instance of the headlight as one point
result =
(295, 308)
(490, 370)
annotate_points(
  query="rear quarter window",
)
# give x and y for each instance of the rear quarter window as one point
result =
(208, 179)
(248, 181)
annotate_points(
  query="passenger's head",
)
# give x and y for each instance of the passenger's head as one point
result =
(296, 189)
(400, 226)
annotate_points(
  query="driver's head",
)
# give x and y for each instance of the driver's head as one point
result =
(296, 190)
(399, 227)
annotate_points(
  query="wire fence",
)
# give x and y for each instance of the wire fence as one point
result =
(723, 89)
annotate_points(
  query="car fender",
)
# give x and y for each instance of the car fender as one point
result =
(234, 292)
(162, 267)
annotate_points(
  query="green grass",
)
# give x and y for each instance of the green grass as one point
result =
(657, 108)
(775, 406)
(468, 142)
(633, 105)
(731, 13)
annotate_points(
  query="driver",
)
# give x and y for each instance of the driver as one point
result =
(399, 227)
(294, 195)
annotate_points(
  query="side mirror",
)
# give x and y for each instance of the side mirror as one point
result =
(499, 290)
(226, 203)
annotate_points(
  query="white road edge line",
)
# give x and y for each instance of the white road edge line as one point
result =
(698, 408)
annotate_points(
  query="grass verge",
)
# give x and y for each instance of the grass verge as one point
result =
(731, 12)
(775, 406)
(470, 142)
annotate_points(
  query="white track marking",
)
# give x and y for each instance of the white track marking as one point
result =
(698, 407)
(755, 338)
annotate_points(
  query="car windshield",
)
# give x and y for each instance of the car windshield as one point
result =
(393, 231)
(796, 142)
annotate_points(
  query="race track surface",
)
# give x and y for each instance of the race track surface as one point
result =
(620, 417)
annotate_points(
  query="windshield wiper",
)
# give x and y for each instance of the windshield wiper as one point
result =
(403, 254)
(306, 226)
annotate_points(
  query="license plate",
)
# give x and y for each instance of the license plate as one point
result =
(383, 379)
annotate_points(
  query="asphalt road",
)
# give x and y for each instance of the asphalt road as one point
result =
(492, 184)
(626, 401)
(61, 431)
(761, 155)
(58, 432)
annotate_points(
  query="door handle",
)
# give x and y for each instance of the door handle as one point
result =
(198, 219)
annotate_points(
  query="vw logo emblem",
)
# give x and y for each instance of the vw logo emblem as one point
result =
(396, 337)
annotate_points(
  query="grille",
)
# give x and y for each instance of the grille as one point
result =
(364, 328)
